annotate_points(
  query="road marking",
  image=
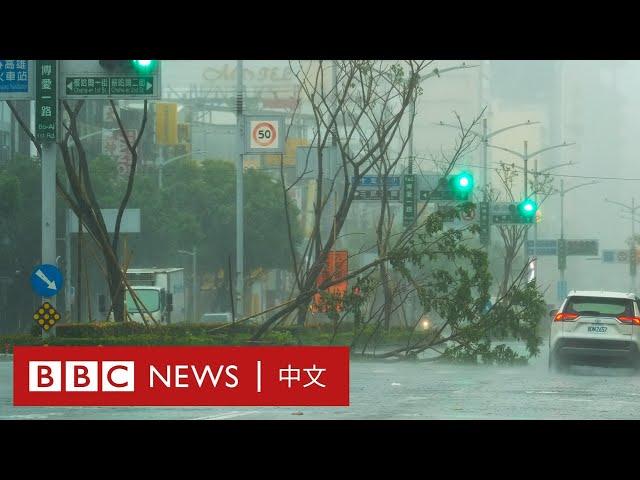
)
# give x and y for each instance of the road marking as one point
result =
(224, 416)
(30, 416)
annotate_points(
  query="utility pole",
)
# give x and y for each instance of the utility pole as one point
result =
(239, 193)
(412, 116)
(563, 192)
(632, 248)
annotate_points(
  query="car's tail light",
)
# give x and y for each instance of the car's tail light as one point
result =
(629, 320)
(565, 317)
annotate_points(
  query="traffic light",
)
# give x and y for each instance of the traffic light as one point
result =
(527, 210)
(461, 185)
(134, 67)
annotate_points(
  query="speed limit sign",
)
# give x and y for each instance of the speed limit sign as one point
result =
(263, 134)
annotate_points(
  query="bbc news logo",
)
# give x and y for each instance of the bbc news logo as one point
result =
(181, 376)
(107, 376)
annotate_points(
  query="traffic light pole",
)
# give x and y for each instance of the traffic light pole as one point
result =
(562, 192)
(49, 213)
(632, 253)
(535, 219)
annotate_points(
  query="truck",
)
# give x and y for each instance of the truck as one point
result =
(162, 292)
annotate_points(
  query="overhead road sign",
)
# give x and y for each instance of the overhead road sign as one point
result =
(98, 79)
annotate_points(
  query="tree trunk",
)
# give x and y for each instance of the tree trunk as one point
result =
(117, 291)
(508, 261)
(302, 315)
(388, 296)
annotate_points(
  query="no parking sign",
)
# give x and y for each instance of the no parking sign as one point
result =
(264, 134)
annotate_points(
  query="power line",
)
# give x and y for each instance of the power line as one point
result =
(549, 174)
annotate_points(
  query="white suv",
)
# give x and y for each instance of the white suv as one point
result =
(590, 327)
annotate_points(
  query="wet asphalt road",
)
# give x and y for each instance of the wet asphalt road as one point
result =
(402, 390)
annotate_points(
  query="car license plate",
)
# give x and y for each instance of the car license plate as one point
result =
(597, 329)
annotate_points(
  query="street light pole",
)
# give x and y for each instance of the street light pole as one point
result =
(412, 106)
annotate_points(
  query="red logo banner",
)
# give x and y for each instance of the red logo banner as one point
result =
(181, 376)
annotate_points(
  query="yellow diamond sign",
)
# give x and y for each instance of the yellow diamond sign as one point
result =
(46, 316)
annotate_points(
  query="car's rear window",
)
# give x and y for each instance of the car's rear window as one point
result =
(599, 306)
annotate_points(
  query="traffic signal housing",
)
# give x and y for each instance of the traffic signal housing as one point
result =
(461, 185)
(527, 210)
(133, 67)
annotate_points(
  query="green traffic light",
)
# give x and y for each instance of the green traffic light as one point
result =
(527, 208)
(143, 65)
(462, 183)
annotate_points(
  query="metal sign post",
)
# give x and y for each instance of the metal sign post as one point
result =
(46, 133)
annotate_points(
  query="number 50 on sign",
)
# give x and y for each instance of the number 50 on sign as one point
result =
(263, 134)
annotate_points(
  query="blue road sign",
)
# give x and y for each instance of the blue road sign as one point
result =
(543, 247)
(14, 77)
(608, 256)
(46, 280)
(392, 181)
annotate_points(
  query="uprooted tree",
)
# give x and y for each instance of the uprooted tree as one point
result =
(359, 117)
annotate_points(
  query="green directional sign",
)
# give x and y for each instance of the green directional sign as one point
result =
(105, 79)
(87, 85)
(46, 101)
(131, 86)
(100, 86)
(582, 247)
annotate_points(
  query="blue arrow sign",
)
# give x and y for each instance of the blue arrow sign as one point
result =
(46, 280)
